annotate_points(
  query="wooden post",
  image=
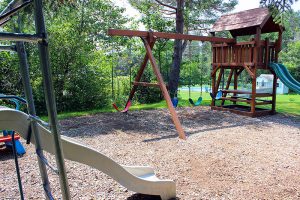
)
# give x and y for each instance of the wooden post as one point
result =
(274, 92)
(277, 50)
(219, 80)
(213, 86)
(228, 84)
(267, 52)
(256, 60)
(235, 82)
(164, 90)
(213, 75)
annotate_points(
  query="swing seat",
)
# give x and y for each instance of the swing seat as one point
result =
(218, 96)
(198, 102)
(175, 102)
(125, 109)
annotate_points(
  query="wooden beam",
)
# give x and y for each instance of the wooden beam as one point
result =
(239, 111)
(236, 100)
(235, 44)
(267, 52)
(247, 92)
(235, 81)
(240, 71)
(248, 69)
(213, 73)
(227, 84)
(256, 59)
(164, 90)
(234, 64)
(219, 80)
(274, 92)
(133, 33)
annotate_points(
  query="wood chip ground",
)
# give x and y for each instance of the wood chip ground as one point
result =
(226, 156)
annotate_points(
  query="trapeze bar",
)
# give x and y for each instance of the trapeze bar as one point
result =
(7, 48)
(11, 10)
(20, 37)
(132, 33)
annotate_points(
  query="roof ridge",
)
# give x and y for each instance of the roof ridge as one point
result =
(243, 11)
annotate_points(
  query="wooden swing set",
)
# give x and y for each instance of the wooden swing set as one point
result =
(149, 38)
(227, 54)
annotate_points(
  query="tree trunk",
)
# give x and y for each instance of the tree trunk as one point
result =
(178, 48)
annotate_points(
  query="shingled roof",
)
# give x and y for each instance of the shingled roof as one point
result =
(245, 22)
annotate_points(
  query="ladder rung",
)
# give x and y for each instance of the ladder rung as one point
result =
(45, 161)
(146, 84)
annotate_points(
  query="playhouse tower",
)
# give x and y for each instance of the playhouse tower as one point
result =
(250, 56)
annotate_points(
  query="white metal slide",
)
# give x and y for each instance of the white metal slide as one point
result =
(135, 178)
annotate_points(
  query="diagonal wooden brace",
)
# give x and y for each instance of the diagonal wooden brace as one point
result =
(164, 89)
(248, 69)
(140, 73)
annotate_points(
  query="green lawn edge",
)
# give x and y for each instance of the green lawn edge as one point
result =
(286, 104)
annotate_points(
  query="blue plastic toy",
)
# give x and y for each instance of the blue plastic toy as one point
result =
(175, 101)
(19, 147)
(218, 96)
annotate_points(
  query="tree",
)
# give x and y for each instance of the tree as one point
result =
(188, 16)
(278, 7)
(290, 57)
(78, 46)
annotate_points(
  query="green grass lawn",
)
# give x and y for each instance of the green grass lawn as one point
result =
(288, 104)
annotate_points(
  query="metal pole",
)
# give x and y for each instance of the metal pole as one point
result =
(24, 70)
(20, 37)
(17, 165)
(7, 48)
(5, 16)
(11, 5)
(49, 96)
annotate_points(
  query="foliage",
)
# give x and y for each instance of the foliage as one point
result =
(290, 58)
(78, 53)
(180, 16)
(278, 8)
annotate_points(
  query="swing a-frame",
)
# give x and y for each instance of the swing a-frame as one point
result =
(149, 38)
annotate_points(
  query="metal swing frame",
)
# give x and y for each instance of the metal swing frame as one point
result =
(40, 37)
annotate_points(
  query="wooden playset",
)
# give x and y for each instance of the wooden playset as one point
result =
(228, 54)
(250, 56)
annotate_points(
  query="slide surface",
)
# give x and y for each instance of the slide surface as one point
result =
(284, 75)
(135, 178)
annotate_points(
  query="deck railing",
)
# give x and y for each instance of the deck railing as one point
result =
(242, 53)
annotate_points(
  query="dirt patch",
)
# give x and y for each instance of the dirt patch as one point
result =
(226, 156)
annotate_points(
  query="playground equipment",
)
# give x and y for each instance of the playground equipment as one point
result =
(175, 101)
(228, 54)
(140, 179)
(285, 76)
(9, 137)
(135, 178)
(218, 96)
(249, 56)
(149, 38)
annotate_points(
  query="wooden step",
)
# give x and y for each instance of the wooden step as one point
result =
(145, 84)
(247, 92)
(9, 138)
(235, 99)
(247, 100)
